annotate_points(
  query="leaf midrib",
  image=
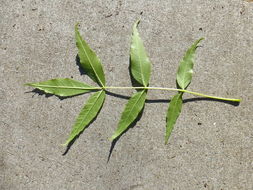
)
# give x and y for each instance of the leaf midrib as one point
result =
(184, 74)
(170, 124)
(135, 104)
(87, 113)
(80, 39)
(176, 103)
(142, 76)
(67, 87)
(184, 70)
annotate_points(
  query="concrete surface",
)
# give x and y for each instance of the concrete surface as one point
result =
(211, 145)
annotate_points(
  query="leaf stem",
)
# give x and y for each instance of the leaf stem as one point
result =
(140, 88)
(175, 89)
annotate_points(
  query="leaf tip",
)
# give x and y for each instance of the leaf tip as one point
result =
(112, 138)
(65, 144)
(166, 139)
(198, 41)
(76, 25)
(136, 23)
(77, 28)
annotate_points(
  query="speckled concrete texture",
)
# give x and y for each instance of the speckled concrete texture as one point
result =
(211, 147)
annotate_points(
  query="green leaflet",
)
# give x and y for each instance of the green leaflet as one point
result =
(89, 60)
(62, 87)
(140, 67)
(87, 114)
(173, 112)
(184, 73)
(130, 113)
(184, 77)
(140, 64)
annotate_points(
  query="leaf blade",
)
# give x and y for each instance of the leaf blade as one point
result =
(87, 114)
(139, 61)
(131, 111)
(173, 113)
(185, 70)
(62, 87)
(89, 60)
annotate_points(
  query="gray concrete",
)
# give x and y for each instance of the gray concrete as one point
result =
(37, 43)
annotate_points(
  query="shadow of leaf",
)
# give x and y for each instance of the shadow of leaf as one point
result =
(134, 82)
(211, 100)
(80, 68)
(47, 95)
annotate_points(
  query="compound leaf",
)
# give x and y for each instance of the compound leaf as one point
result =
(139, 61)
(184, 73)
(62, 87)
(173, 112)
(87, 114)
(89, 60)
(131, 112)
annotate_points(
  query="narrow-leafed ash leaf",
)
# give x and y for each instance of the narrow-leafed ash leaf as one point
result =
(140, 70)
